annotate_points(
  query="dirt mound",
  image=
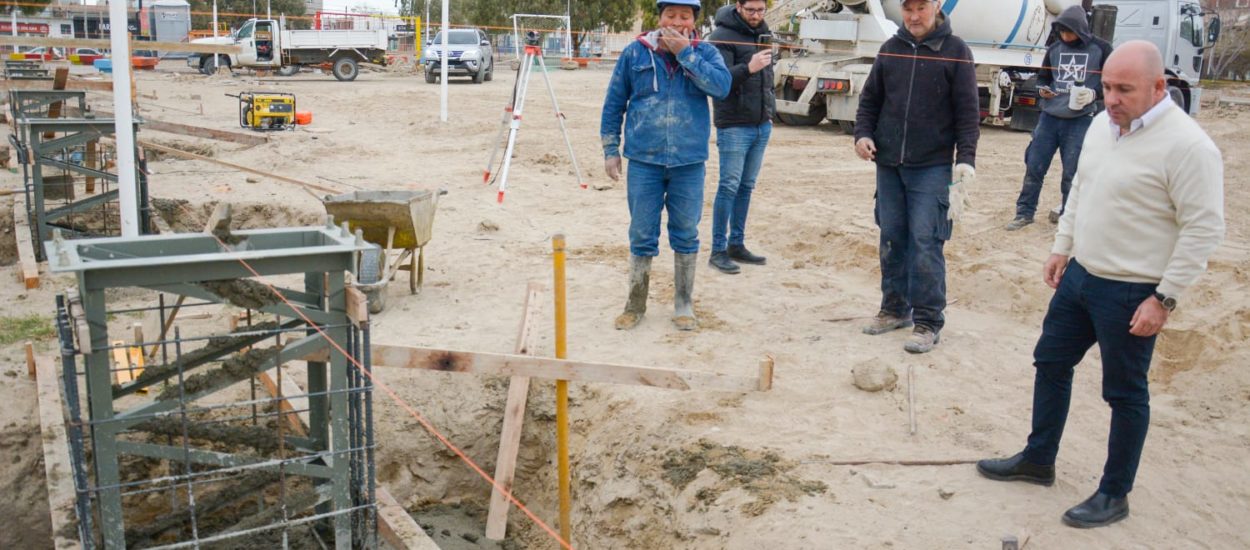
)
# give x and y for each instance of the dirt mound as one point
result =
(183, 217)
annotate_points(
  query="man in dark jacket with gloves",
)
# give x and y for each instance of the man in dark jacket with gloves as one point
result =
(1071, 76)
(918, 113)
(743, 126)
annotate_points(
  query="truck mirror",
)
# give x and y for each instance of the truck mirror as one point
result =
(484, 43)
(1213, 30)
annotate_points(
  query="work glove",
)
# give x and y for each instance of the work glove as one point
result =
(1082, 97)
(961, 181)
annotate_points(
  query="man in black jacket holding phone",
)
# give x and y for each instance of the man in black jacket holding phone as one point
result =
(918, 113)
(743, 125)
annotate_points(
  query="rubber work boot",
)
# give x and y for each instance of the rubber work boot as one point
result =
(740, 253)
(722, 263)
(683, 290)
(639, 283)
(884, 322)
(921, 340)
(1018, 223)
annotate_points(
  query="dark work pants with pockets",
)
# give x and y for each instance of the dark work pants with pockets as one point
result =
(1084, 311)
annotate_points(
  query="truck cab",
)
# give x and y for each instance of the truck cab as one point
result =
(1181, 31)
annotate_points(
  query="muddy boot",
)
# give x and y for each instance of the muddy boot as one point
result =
(639, 281)
(683, 291)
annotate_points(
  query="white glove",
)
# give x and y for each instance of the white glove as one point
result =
(962, 177)
(1082, 97)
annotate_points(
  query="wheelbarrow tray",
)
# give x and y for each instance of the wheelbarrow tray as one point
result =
(410, 213)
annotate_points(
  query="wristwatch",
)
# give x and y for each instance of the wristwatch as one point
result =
(1169, 303)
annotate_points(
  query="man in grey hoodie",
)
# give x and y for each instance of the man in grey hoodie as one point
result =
(1071, 76)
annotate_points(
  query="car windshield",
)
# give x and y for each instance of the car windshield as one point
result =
(457, 38)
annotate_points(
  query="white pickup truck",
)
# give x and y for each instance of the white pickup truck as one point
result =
(265, 43)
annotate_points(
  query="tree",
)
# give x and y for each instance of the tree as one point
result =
(1232, 52)
(233, 13)
(27, 7)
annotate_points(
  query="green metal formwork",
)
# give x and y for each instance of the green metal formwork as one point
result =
(41, 153)
(188, 265)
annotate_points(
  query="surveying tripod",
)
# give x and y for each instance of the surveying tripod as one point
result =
(512, 116)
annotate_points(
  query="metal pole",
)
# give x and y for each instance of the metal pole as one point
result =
(268, 9)
(128, 192)
(442, 60)
(562, 388)
(216, 57)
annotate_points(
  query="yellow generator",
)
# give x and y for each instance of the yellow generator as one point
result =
(266, 111)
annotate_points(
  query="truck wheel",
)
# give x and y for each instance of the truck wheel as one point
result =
(479, 76)
(288, 70)
(847, 126)
(345, 69)
(490, 74)
(815, 113)
(209, 65)
(1178, 97)
(430, 77)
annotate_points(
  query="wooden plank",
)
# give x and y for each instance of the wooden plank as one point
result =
(56, 464)
(501, 364)
(58, 83)
(398, 528)
(93, 162)
(72, 84)
(289, 405)
(102, 44)
(201, 132)
(28, 267)
(514, 418)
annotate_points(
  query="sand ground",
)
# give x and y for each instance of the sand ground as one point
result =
(665, 469)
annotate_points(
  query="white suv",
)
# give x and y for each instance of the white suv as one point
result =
(471, 55)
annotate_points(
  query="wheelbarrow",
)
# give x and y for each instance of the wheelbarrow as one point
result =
(399, 223)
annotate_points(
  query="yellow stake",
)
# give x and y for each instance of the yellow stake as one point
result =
(562, 389)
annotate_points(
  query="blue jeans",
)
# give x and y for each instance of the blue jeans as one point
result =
(1085, 310)
(741, 155)
(652, 188)
(1065, 135)
(911, 210)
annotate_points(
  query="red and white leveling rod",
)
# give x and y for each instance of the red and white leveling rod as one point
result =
(512, 117)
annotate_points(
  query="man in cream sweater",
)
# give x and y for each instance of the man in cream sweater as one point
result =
(1144, 214)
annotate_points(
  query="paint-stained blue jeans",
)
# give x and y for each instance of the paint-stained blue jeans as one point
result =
(1084, 311)
(911, 210)
(1065, 135)
(741, 155)
(651, 189)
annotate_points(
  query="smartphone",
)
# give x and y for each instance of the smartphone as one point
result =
(764, 41)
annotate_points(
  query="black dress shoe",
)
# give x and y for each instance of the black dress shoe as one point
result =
(1016, 469)
(1097, 511)
(740, 253)
(721, 261)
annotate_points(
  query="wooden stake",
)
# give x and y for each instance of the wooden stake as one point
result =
(56, 464)
(30, 359)
(766, 373)
(58, 83)
(514, 417)
(92, 161)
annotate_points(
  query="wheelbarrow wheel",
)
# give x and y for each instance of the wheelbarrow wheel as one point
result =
(370, 273)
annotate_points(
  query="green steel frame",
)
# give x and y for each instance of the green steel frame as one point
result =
(44, 152)
(175, 263)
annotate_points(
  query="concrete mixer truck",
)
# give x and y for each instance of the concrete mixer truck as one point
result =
(821, 73)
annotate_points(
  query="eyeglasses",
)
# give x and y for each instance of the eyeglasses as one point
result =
(754, 11)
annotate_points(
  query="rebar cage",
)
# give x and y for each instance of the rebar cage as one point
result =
(211, 445)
